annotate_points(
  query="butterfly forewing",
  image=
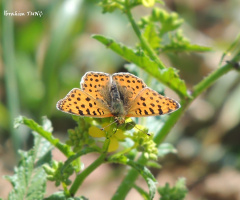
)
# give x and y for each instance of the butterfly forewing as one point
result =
(130, 82)
(94, 82)
(150, 103)
(80, 103)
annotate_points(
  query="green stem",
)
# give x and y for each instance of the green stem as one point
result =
(65, 189)
(144, 43)
(81, 177)
(209, 80)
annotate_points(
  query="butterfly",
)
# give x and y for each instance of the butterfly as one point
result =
(119, 95)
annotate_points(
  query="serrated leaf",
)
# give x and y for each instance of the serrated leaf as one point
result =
(179, 43)
(37, 185)
(151, 36)
(28, 182)
(167, 76)
(29, 179)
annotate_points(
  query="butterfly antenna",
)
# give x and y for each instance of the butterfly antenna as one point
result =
(108, 125)
(134, 126)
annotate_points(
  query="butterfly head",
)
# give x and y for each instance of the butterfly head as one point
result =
(120, 120)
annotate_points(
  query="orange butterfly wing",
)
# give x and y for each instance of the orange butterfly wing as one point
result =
(131, 83)
(80, 103)
(149, 103)
(94, 83)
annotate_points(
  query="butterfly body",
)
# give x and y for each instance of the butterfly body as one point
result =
(116, 101)
(119, 95)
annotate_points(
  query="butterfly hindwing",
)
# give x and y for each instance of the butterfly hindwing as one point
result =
(149, 103)
(80, 103)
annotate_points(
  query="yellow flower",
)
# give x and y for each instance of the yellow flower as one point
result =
(148, 3)
(114, 138)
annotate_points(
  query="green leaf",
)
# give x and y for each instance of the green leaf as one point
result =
(29, 182)
(167, 76)
(177, 192)
(179, 43)
(166, 27)
(166, 148)
(151, 36)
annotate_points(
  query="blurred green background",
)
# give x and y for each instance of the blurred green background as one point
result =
(44, 57)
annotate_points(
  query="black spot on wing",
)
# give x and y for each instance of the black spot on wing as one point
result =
(160, 111)
(151, 110)
(88, 112)
(80, 112)
(98, 110)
